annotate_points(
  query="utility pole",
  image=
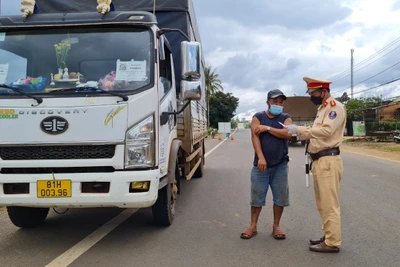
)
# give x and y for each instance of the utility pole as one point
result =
(382, 107)
(380, 113)
(351, 72)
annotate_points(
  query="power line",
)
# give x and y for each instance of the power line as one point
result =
(380, 85)
(379, 52)
(378, 73)
(367, 59)
(367, 64)
(394, 65)
(335, 77)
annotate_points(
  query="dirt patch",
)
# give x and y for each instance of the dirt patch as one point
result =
(368, 146)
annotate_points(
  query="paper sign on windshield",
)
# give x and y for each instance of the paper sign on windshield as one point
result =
(132, 71)
(3, 73)
(2, 36)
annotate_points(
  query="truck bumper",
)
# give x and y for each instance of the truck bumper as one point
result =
(119, 194)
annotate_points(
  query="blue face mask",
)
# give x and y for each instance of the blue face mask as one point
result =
(275, 110)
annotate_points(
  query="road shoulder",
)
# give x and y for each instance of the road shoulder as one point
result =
(371, 152)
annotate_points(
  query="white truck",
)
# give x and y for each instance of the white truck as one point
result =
(100, 110)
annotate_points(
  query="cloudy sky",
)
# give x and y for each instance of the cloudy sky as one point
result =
(258, 45)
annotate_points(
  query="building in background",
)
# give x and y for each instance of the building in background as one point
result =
(383, 118)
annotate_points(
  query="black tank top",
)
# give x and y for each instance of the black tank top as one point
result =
(275, 150)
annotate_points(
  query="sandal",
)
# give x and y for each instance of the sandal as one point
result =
(278, 233)
(248, 234)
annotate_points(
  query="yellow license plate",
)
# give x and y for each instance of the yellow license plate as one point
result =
(53, 188)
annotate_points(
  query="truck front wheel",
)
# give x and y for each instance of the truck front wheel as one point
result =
(164, 208)
(25, 217)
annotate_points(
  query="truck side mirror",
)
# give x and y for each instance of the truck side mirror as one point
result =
(191, 60)
(190, 90)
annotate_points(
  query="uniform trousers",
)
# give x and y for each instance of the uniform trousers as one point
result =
(327, 172)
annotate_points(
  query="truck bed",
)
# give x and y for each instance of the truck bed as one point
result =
(192, 125)
(300, 108)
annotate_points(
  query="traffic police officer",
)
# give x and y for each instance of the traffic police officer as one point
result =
(325, 136)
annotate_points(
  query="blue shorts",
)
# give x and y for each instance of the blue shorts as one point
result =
(277, 178)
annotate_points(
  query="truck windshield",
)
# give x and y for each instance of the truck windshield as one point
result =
(44, 61)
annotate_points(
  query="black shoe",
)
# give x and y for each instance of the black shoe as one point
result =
(322, 247)
(317, 241)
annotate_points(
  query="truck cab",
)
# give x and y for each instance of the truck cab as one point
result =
(93, 114)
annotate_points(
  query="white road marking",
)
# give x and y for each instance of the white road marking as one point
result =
(214, 148)
(84, 245)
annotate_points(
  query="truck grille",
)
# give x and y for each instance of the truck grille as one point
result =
(57, 152)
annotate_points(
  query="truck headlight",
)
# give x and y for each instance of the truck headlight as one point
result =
(139, 145)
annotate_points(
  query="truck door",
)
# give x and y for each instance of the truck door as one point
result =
(167, 98)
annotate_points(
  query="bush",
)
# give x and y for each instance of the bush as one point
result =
(387, 125)
(234, 124)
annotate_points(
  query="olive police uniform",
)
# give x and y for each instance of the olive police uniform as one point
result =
(326, 135)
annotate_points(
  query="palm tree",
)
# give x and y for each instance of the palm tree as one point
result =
(213, 85)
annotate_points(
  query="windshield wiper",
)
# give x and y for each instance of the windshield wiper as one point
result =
(77, 89)
(39, 100)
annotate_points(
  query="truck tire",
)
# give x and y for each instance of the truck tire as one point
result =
(397, 140)
(25, 217)
(164, 208)
(293, 140)
(199, 173)
(204, 153)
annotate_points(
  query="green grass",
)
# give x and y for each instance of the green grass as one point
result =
(392, 148)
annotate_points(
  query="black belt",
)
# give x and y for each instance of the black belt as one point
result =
(328, 152)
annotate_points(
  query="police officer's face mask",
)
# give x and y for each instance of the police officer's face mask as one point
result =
(317, 100)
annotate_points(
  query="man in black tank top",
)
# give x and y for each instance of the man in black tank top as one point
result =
(270, 165)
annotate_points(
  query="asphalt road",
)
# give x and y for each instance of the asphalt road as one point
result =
(211, 214)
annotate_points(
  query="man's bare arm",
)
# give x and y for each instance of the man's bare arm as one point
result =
(282, 133)
(279, 133)
(255, 139)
